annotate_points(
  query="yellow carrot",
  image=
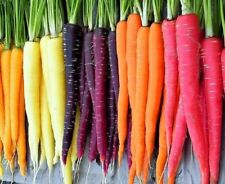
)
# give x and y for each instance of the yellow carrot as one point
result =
(32, 76)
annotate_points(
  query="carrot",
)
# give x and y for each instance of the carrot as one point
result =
(1, 164)
(21, 144)
(32, 77)
(2, 108)
(141, 96)
(162, 155)
(121, 31)
(132, 173)
(187, 26)
(5, 68)
(16, 68)
(133, 25)
(171, 69)
(156, 78)
(145, 171)
(179, 135)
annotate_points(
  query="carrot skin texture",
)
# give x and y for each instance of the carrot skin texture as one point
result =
(179, 136)
(32, 77)
(92, 152)
(155, 85)
(72, 40)
(171, 75)
(162, 155)
(187, 26)
(90, 63)
(16, 69)
(223, 68)
(84, 120)
(101, 58)
(142, 73)
(121, 31)
(211, 51)
(113, 62)
(133, 25)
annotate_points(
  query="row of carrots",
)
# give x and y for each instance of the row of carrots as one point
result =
(116, 82)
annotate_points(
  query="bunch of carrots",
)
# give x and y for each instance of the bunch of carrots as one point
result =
(112, 77)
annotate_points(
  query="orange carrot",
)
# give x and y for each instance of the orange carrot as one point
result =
(133, 25)
(156, 81)
(132, 173)
(21, 144)
(5, 68)
(2, 111)
(15, 83)
(142, 76)
(145, 169)
(121, 30)
(162, 156)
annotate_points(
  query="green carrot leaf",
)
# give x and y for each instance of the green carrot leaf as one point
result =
(172, 9)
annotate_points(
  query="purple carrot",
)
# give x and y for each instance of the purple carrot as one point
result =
(72, 42)
(113, 62)
(128, 143)
(84, 120)
(89, 62)
(100, 54)
(111, 108)
(82, 71)
(92, 152)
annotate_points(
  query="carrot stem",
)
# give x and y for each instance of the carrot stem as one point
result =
(158, 10)
(124, 9)
(172, 9)
(8, 11)
(186, 6)
(221, 15)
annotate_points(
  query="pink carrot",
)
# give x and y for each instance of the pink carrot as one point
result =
(188, 41)
(211, 54)
(171, 76)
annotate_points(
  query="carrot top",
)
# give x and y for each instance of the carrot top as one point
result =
(198, 9)
(111, 7)
(35, 18)
(88, 12)
(45, 22)
(19, 22)
(73, 8)
(101, 14)
(222, 4)
(158, 10)
(172, 9)
(212, 19)
(186, 6)
(2, 18)
(8, 27)
(124, 9)
(145, 11)
(55, 17)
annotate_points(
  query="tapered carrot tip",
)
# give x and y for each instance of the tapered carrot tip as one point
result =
(120, 154)
(212, 181)
(23, 169)
(1, 171)
(171, 180)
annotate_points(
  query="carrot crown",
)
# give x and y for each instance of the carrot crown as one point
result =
(101, 14)
(2, 25)
(7, 21)
(111, 7)
(172, 9)
(198, 9)
(212, 17)
(222, 3)
(145, 11)
(124, 9)
(88, 12)
(158, 10)
(73, 9)
(19, 22)
(186, 6)
(55, 17)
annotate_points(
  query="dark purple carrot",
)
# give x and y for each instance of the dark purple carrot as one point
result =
(100, 54)
(113, 62)
(92, 152)
(128, 143)
(115, 142)
(111, 108)
(89, 62)
(72, 42)
(82, 71)
(84, 121)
